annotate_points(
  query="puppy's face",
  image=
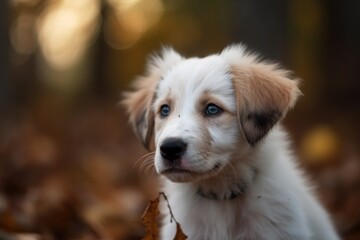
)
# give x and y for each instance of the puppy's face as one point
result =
(197, 113)
(195, 119)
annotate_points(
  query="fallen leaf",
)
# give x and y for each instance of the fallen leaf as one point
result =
(179, 233)
(149, 219)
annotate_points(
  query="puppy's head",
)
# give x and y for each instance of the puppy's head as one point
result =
(197, 112)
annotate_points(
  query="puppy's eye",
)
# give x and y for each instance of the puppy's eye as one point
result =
(164, 110)
(212, 110)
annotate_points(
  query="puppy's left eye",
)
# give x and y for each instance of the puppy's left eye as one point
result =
(164, 110)
(212, 110)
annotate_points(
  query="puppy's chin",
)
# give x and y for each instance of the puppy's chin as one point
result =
(181, 175)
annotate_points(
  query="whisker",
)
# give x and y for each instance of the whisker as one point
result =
(144, 156)
(145, 164)
(149, 169)
(143, 159)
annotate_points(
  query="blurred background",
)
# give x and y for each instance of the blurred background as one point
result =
(68, 165)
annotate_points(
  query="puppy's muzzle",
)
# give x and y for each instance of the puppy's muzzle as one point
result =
(173, 149)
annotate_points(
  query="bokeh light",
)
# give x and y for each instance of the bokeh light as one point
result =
(65, 30)
(320, 146)
(131, 19)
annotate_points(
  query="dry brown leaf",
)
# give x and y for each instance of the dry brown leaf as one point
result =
(150, 216)
(149, 219)
(179, 233)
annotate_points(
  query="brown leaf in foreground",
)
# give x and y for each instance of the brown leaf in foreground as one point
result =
(179, 233)
(149, 219)
(150, 216)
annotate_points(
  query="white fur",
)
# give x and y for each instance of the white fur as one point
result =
(277, 202)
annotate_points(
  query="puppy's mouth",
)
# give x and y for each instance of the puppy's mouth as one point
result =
(177, 170)
(178, 174)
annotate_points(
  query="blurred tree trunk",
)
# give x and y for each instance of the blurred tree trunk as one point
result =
(342, 85)
(263, 26)
(342, 57)
(100, 81)
(4, 53)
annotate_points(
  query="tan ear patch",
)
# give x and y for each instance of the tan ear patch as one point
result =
(139, 107)
(264, 93)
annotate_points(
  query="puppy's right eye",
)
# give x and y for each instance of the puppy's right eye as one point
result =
(212, 110)
(164, 110)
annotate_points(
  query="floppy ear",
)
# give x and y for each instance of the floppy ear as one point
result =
(264, 93)
(139, 102)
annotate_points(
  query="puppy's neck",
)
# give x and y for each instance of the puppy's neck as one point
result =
(232, 182)
(233, 191)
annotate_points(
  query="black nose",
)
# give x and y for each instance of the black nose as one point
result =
(172, 148)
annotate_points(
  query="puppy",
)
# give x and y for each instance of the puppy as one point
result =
(228, 172)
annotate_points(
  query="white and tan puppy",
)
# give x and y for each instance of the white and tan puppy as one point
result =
(214, 125)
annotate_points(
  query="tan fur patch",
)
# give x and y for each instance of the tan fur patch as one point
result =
(264, 93)
(138, 104)
(261, 85)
